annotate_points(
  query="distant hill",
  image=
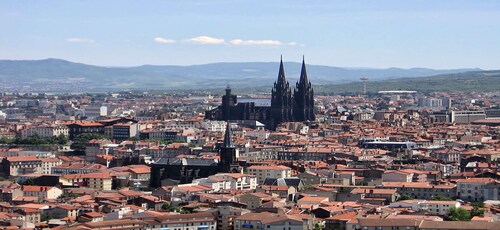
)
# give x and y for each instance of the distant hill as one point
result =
(486, 81)
(62, 75)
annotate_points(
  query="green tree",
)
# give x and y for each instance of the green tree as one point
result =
(36, 140)
(44, 218)
(28, 181)
(80, 141)
(133, 139)
(478, 209)
(441, 198)
(458, 214)
(187, 210)
(405, 197)
(318, 226)
(5, 140)
(62, 139)
(170, 208)
(68, 196)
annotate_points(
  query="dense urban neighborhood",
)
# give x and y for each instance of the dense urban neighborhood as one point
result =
(139, 160)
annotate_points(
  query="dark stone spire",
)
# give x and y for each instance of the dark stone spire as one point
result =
(303, 97)
(228, 153)
(281, 99)
(228, 137)
(303, 73)
(281, 83)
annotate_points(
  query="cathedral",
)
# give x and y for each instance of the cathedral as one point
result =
(172, 170)
(285, 105)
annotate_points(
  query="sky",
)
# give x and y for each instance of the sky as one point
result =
(379, 33)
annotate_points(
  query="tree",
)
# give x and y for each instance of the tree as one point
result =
(458, 214)
(133, 139)
(318, 226)
(37, 140)
(44, 218)
(441, 198)
(80, 141)
(405, 197)
(382, 105)
(187, 210)
(170, 208)
(478, 209)
(62, 139)
(28, 181)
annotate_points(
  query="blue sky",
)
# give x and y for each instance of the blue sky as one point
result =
(434, 34)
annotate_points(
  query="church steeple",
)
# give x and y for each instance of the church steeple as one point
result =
(303, 73)
(228, 153)
(281, 82)
(303, 97)
(228, 137)
(281, 99)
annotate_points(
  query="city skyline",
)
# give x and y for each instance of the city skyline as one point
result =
(377, 34)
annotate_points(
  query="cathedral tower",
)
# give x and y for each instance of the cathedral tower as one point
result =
(281, 99)
(303, 97)
(229, 100)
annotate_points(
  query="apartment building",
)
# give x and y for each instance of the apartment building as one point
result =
(73, 168)
(397, 176)
(438, 207)
(124, 131)
(272, 221)
(99, 181)
(45, 131)
(422, 190)
(41, 192)
(467, 117)
(49, 163)
(268, 171)
(201, 220)
(15, 166)
(476, 189)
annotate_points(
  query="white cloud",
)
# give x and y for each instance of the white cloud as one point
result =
(80, 40)
(292, 43)
(164, 40)
(206, 40)
(256, 42)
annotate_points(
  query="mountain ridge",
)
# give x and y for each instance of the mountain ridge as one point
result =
(53, 73)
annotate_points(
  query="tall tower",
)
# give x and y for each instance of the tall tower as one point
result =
(364, 79)
(228, 102)
(281, 99)
(228, 153)
(303, 108)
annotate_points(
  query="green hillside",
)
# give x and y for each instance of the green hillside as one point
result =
(485, 81)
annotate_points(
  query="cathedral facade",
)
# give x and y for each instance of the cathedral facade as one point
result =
(285, 105)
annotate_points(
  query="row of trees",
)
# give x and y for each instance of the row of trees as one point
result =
(36, 140)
